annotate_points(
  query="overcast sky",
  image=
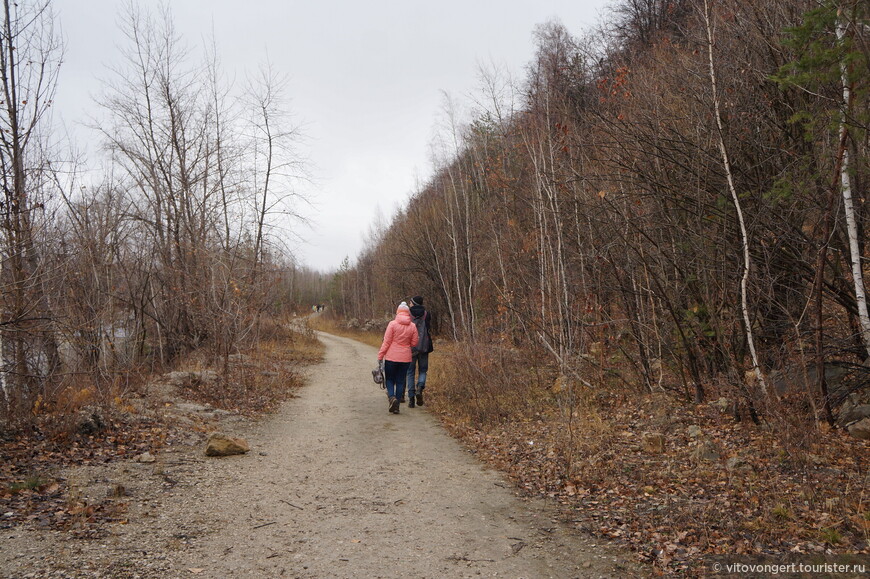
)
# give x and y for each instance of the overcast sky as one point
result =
(366, 83)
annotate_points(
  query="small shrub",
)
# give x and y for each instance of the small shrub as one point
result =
(272, 329)
(831, 536)
(782, 512)
(29, 484)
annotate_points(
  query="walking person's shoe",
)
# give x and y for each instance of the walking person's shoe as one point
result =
(419, 399)
(402, 399)
(394, 405)
(410, 401)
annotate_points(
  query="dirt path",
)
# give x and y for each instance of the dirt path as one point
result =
(334, 486)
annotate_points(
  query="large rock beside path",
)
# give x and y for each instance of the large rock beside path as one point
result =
(222, 445)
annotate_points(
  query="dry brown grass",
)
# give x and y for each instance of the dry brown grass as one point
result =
(259, 379)
(482, 386)
(265, 376)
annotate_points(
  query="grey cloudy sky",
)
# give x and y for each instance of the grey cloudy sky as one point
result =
(366, 83)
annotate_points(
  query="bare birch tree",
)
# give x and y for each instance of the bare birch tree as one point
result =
(735, 198)
(30, 57)
(845, 165)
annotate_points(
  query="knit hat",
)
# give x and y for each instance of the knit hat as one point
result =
(417, 300)
(402, 306)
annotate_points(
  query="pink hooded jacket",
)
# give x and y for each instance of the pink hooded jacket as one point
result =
(400, 337)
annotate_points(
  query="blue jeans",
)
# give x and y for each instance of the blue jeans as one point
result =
(394, 377)
(419, 362)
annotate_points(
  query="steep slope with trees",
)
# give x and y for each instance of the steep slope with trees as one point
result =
(672, 188)
(673, 214)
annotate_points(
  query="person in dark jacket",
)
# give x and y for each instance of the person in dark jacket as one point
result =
(420, 354)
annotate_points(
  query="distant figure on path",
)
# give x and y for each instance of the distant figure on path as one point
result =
(399, 338)
(420, 354)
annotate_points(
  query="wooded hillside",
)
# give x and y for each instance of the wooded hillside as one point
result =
(675, 201)
(650, 253)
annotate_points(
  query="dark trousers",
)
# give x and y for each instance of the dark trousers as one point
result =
(419, 365)
(394, 377)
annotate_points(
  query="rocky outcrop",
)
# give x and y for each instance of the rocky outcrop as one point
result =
(367, 325)
(183, 379)
(854, 415)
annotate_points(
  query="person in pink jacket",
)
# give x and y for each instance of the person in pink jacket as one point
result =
(395, 353)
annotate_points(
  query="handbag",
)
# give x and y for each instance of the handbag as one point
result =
(378, 374)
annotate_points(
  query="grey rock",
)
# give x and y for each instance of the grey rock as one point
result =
(186, 379)
(853, 413)
(737, 463)
(723, 404)
(145, 457)
(90, 421)
(694, 431)
(706, 451)
(861, 429)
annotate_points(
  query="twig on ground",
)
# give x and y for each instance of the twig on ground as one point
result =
(265, 525)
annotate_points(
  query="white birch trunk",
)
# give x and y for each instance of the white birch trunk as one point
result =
(747, 263)
(453, 235)
(445, 286)
(4, 385)
(849, 206)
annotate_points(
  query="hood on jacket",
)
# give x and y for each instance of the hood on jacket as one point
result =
(403, 314)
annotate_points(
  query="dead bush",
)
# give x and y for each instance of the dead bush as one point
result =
(484, 385)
